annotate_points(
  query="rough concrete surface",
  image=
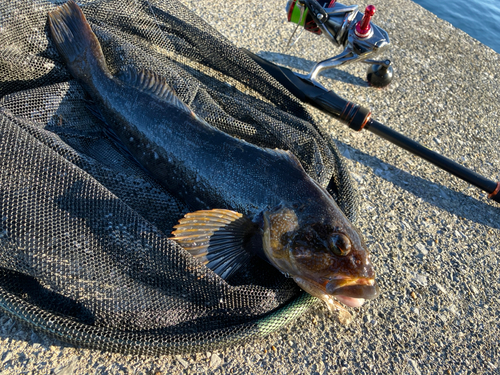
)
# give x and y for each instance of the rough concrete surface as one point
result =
(434, 239)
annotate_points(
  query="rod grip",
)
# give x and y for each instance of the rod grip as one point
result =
(353, 115)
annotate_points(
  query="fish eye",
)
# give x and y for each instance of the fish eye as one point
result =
(340, 244)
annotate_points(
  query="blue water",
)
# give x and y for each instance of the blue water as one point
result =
(478, 18)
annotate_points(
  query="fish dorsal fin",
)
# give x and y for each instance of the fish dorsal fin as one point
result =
(288, 155)
(217, 238)
(153, 84)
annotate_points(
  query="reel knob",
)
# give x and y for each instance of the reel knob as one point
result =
(363, 28)
(380, 75)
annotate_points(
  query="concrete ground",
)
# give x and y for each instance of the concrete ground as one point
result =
(434, 239)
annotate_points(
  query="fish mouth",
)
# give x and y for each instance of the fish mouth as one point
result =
(353, 292)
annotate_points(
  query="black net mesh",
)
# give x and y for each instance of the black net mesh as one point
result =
(85, 254)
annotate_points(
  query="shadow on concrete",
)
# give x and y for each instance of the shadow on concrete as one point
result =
(444, 198)
(297, 63)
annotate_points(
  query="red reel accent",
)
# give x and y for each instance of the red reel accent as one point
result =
(363, 27)
(289, 15)
(311, 26)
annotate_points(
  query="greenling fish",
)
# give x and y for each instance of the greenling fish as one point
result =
(247, 200)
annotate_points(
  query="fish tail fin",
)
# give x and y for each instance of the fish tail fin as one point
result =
(75, 40)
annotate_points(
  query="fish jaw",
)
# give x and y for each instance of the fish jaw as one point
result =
(350, 301)
(352, 293)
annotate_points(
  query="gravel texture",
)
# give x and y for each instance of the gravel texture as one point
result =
(434, 238)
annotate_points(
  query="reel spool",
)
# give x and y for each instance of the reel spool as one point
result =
(300, 14)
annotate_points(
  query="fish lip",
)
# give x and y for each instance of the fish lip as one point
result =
(352, 292)
(354, 288)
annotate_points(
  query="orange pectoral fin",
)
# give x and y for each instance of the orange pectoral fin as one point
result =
(216, 237)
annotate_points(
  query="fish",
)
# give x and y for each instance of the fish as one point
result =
(246, 200)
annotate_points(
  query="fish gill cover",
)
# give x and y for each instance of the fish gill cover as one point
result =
(85, 252)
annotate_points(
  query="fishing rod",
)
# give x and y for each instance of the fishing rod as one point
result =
(346, 26)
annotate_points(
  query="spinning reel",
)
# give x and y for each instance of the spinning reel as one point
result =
(346, 27)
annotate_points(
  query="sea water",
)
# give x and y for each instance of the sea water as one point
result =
(478, 18)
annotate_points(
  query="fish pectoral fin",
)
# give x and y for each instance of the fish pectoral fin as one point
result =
(217, 238)
(153, 84)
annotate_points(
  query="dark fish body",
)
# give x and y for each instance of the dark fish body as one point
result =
(301, 229)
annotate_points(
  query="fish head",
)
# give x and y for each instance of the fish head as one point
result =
(323, 252)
